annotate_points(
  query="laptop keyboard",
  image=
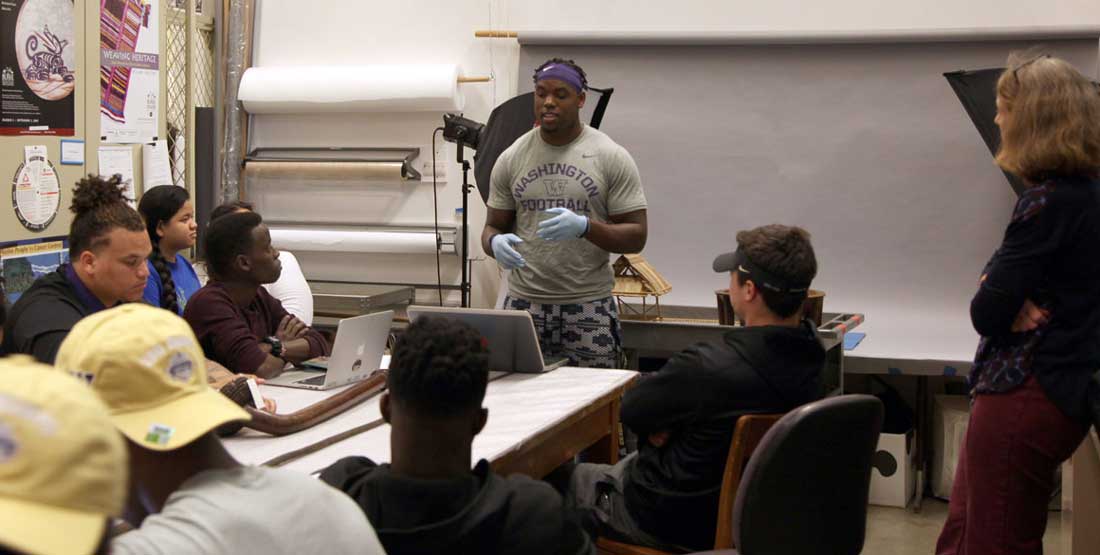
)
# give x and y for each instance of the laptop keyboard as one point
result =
(315, 380)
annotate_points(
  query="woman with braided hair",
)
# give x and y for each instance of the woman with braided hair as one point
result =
(170, 222)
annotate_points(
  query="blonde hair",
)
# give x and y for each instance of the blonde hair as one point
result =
(1050, 119)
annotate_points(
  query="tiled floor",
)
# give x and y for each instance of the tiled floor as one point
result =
(899, 532)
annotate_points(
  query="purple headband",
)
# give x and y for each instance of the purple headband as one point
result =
(563, 73)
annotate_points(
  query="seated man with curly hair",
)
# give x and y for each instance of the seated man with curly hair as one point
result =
(428, 500)
(107, 251)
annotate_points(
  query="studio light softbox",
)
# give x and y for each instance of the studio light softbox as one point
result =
(510, 121)
(977, 90)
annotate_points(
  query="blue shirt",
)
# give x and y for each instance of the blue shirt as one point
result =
(183, 276)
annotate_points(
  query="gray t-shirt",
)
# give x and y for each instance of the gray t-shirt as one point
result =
(591, 176)
(253, 510)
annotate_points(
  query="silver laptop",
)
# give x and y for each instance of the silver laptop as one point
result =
(357, 351)
(513, 345)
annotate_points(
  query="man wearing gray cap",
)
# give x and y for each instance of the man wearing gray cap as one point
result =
(666, 495)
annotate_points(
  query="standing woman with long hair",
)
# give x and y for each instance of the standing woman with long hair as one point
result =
(1038, 311)
(170, 222)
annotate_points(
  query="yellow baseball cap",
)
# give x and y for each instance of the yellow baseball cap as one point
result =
(147, 366)
(63, 466)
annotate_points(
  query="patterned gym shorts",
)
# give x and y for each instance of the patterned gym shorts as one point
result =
(588, 334)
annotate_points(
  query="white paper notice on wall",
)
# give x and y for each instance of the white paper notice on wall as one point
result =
(155, 168)
(119, 160)
(72, 152)
(32, 152)
(34, 158)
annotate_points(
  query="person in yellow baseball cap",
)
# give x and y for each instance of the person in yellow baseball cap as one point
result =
(62, 464)
(187, 493)
(150, 371)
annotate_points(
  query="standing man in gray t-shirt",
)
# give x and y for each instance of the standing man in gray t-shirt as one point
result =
(564, 197)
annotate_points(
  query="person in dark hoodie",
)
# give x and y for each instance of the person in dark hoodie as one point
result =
(427, 500)
(107, 251)
(666, 495)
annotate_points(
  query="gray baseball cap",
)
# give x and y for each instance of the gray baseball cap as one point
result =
(739, 261)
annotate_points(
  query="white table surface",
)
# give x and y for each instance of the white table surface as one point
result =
(931, 346)
(520, 406)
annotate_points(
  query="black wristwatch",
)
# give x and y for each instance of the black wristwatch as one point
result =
(276, 346)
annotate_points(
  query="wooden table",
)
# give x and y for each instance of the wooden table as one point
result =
(536, 423)
(1084, 498)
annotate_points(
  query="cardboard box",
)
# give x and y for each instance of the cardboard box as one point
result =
(951, 417)
(893, 470)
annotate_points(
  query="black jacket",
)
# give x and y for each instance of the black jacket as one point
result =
(672, 491)
(42, 317)
(480, 514)
(1051, 255)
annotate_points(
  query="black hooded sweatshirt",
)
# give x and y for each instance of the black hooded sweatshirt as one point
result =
(672, 491)
(479, 514)
(42, 317)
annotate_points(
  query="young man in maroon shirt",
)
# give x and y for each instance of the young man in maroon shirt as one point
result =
(236, 321)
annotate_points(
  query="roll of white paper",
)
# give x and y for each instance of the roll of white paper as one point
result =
(261, 173)
(400, 242)
(350, 89)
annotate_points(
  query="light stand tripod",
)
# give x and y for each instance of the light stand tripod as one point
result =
(466, 188)
(463, 132)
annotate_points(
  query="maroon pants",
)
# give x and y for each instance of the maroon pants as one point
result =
(1014, 444)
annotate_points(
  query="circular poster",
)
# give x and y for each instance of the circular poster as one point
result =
(36, 194)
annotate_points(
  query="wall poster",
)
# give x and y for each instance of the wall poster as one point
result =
(37, 67)
(22, 262)
(129, 73)
(35, 190)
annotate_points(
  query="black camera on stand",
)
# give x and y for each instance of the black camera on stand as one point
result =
(463, 132)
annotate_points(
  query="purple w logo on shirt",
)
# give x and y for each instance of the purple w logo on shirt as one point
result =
(555, 187)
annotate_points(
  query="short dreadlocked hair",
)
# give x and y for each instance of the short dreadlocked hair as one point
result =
(227, 237)
(440, 367)
(99, 206)
(563, 61)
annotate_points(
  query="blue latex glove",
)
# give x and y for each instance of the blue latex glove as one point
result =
(506, 255)
(566, 225)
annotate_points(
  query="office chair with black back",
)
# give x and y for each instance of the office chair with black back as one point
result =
(805, 489)
(748, 432)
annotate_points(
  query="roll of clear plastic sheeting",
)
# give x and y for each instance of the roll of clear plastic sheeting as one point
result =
(351, 89)
(311, 173)
(327, 240)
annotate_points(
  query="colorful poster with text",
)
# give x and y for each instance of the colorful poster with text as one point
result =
(129, 74)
